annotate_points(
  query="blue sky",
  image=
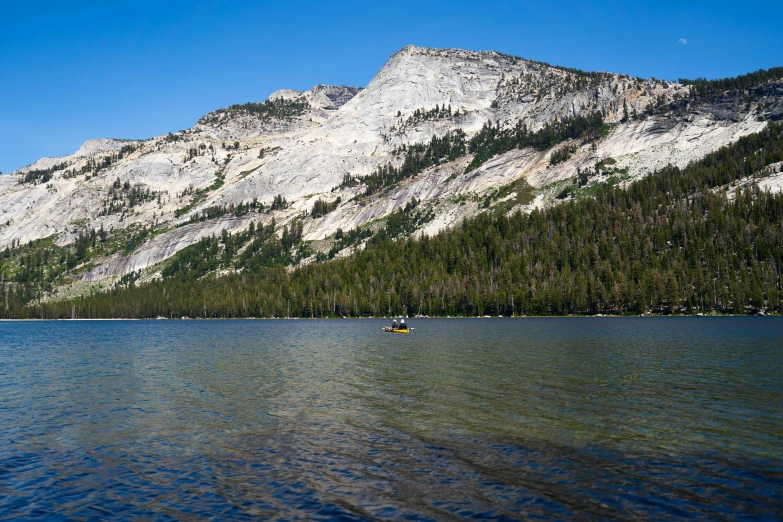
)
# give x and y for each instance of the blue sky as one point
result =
(81, 70)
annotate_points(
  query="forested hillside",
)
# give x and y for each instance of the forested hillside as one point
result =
(446, 133)
(699, 239)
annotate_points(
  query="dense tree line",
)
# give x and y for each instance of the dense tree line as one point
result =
(494, 140)
(279, 108)
(267, 250)
(42, 175)
(253, 249)
(279, 203)
(343, 240)
(488, 142)
(209, 254)
(233, 209)
(418, 157)
(422, 115)
(42, 263)
(668, 243)
(706, 89)
(405, 221)
(321, 207)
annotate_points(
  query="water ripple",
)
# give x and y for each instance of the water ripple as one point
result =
(495, 419)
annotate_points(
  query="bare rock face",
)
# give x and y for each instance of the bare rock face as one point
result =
(302, 144)
(770, 97)
(162, 247)
(330, 97)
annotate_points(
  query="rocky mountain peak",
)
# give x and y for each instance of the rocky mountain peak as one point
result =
(318, 145)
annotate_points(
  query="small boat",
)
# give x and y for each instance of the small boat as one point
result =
(388, 329)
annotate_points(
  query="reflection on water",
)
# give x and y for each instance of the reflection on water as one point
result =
(552, 418)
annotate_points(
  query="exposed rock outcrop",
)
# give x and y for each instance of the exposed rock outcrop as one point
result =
(302, 144)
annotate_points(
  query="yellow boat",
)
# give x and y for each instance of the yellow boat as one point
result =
(389, 330)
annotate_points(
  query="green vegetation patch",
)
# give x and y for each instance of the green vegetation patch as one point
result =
(279, 108)
(562, 154)
(524, 194)
(199, 195)
(704, 89)
(40, 261)
(246, 173)
(123, 197)
(589, 180)
(322, 207)
(344, 240)
(236, 210)
(407, 220)
(667, 243)
(492, 140)
(267, 151)
(418, 157)
(422, 115)
(91, 168)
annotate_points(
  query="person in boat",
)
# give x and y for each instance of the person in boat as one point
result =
(403, 326)
(394, 325)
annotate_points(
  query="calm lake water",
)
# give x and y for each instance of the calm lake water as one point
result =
(496, 418)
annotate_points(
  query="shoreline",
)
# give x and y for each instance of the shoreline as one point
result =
(647, 316)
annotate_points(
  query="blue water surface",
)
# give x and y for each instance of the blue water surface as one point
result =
(594, 419)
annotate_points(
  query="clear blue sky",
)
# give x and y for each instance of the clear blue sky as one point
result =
(72, 71)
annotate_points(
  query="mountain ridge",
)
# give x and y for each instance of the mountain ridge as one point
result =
(303, 145)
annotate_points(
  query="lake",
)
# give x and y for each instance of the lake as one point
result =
(594, 418)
